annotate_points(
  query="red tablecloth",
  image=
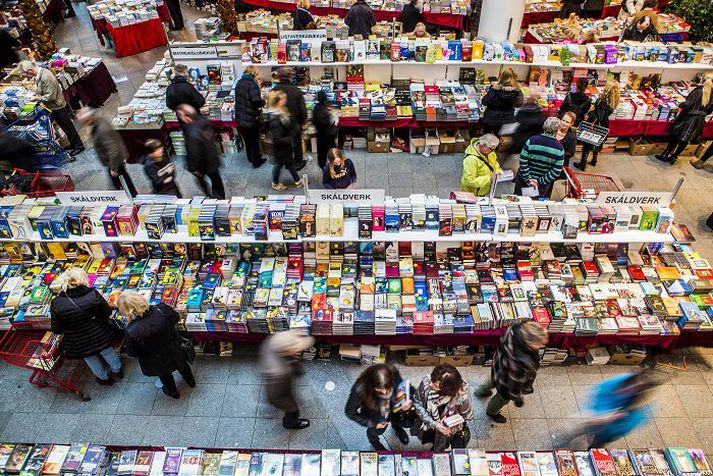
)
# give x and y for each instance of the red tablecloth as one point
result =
(92, 89)
(214, 124)
(611, 11)
(532, 18)
(102, 27)
(630, 127)
(398, 124)
(442, 19)
(134, 39)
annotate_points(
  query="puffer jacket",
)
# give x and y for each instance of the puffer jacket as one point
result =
(154, 340)
(515, 366)
(86, 326)
(248, 101)
(477, 176)
(282, 130)
(501, 102)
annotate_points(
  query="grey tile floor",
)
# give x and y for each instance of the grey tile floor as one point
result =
(227, 408)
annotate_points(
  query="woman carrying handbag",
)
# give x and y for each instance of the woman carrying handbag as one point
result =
(599, 116)
(152, 337)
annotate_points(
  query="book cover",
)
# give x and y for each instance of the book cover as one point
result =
(74, 458)
(53, 463)
(511, 467)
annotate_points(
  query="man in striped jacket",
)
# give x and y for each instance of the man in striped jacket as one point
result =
(541, 160)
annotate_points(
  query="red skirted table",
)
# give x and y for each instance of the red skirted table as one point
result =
(92, 89)
(137, 38)
(443, 19)
(631, 127)
(399, 123)
(532, 18)
(219, 125)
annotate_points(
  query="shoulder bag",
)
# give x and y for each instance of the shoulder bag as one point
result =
(115, 327)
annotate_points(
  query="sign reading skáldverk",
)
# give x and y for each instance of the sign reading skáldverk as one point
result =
(353, 197)
(106, 197)
(657, 199)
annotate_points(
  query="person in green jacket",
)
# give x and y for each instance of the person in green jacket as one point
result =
(479, 165)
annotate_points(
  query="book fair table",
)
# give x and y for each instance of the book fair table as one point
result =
(93, 89)
(135, 38)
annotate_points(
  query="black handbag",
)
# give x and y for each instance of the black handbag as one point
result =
(115, 327)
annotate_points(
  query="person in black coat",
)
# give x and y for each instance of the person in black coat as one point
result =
(599, 116)
(501, 100)
(690, 121)
(180, 91)
(298, 110)
(202, 155)
(592, 8)
(159, 169)
(16, 152)
(569, 7)
(577, 102)
(339, 173)
(83, 316)
(248, 103)
(567, 138)
(410, 17)
(8, 49)
(360, 19)
(530, 118)
(151, 336)
(302, 19)
(174, 10)
(282, 130)
(327, 130)
(371, 403)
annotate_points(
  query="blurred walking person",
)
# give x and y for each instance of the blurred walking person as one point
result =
(160, 170)
(515, 367)
(151, 336)
(282, 129)
(202, 155)
(327, 129)
(248, 104)
(298, 111)
(280, 366)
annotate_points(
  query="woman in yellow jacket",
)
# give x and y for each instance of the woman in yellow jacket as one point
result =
(479, 165)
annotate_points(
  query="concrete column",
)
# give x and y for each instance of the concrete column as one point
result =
(495, 19)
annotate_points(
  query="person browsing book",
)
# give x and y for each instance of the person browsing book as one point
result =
(360, 19)
(577, 102)
(514, 369)
(443, 409)
(280, 366)
(83, 317)
(159, 169)
(325, 122)
(500, 102)
(541, 161)
(410, 16)
(480, 165)
(566, 137)
(302, 19)
(599, 116)
(151, 336)
(372, 402)
(339, 173)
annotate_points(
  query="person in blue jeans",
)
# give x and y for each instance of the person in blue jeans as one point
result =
(618, 407)
(82, 316)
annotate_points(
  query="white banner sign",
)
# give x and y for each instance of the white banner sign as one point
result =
(360, 197)
(657, 199)
(108, 197)
(198, 52)
(307, 36)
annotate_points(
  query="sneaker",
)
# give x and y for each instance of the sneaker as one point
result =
(499, 418)
(280, 187)
(299, 184)
(698, 164)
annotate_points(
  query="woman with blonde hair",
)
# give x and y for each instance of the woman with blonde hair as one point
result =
(302, 19)
(689, 123)
(151, 336)
(599, 116)
(82, 316)
(283, 127)
(339, 173)
(248, 105)
(501, 100)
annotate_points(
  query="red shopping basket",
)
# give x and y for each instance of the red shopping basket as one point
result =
(586, 185)
(42, 184)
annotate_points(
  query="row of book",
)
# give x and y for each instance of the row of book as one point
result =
(290, 218)
(381, 288)
(89, 460)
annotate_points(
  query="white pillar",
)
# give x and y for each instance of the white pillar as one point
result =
(495, 19)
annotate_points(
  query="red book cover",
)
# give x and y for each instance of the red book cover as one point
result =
(636, 273)
(706, 273)
(590, 267)
(603, 462)
(541, 316)
(510, 464)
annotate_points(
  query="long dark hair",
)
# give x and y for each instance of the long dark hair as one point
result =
(379, 375)
(449, 379)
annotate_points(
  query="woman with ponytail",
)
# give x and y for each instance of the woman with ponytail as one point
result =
(690, 120)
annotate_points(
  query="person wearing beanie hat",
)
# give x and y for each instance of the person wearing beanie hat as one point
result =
(280, 367)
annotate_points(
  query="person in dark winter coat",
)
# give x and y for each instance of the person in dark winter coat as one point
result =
(298, 110)
(371, 403)
(159, 169)
(174, 10)
(569, 7)
(577, 102)
(16, 153)
(282, 130)
(83, 316)
(280, 367)
(410, 16)
(248, 103)
(443, 394)
(501, 100)
(514, 369)
(339, 173)
(327, 130)
(151, 337)
(530, 118)
(599, 116)
(566, 137)
(360, 19)
(689, 123)
(180, 91)
(592, 8)
(202, 155)
(302, 19)
(8, 49)
(109, 147)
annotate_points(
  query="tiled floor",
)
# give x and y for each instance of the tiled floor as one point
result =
(227, 408)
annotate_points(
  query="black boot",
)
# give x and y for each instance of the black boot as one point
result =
(582, 165)
(593, 163)
(401, 434)
(663, 157)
